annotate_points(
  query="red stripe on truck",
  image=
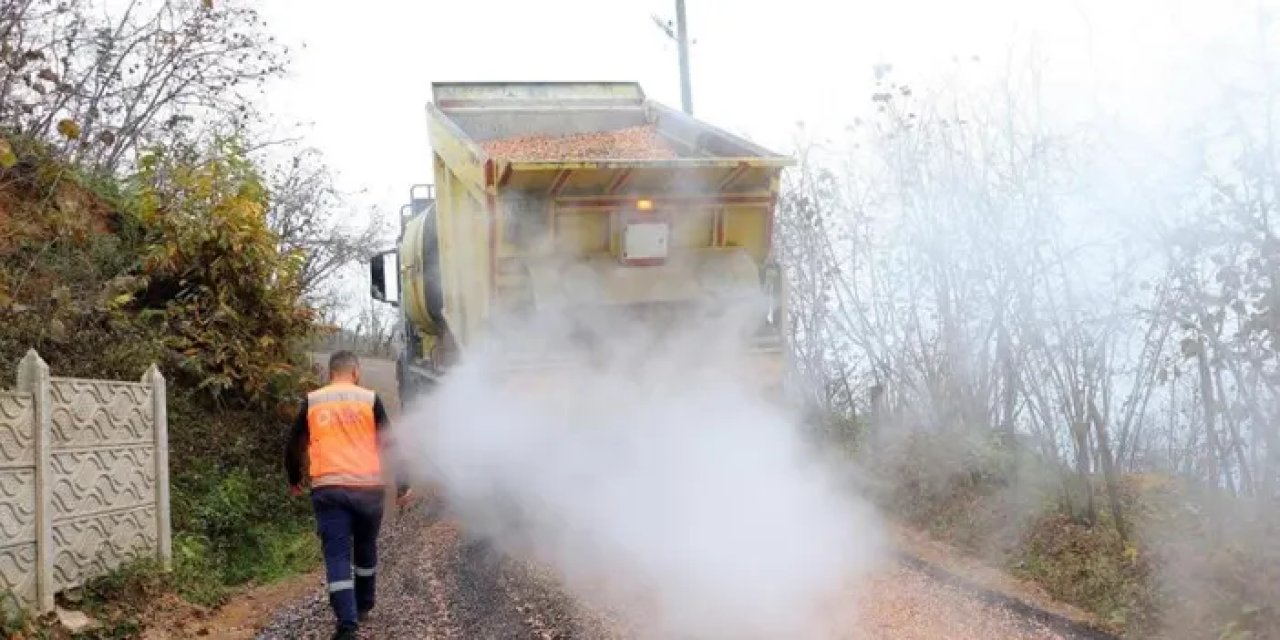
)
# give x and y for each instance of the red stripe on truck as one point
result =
(619, 181)
(558, 183)
(733, 176)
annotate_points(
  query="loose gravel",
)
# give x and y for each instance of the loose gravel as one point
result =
(437, 583)
(632, 143)
(907, 604)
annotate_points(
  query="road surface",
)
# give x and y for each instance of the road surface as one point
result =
(436, 582)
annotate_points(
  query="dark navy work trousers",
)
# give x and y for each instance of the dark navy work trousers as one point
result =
(348, 520)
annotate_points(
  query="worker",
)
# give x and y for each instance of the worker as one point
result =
(341, 427)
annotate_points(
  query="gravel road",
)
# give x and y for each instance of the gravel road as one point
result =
(437, 583)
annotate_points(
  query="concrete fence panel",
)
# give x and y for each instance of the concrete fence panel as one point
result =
(18, 495)
(84, 480)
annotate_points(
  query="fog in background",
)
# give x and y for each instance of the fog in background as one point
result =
(1062, 314)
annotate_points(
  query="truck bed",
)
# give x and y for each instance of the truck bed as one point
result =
(480, 113)
(537, 174)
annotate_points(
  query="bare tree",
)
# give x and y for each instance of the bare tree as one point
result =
(104, 84)
(312, 217)
(937, 270)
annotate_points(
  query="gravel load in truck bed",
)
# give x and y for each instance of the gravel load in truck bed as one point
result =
(633, 143)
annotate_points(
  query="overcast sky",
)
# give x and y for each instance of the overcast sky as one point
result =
(361, 71)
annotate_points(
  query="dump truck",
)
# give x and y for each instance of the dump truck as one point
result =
(576, 200)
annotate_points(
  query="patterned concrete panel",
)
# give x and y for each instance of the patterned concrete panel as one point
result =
(18, 570)
(17, 505)
(17, 496)
(89, 481)
(18, 533)
(83, 480)
(89, 547)
(88, 413)
(17, 421)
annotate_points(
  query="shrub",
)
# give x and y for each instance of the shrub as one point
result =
(174, 266)
(230, 299)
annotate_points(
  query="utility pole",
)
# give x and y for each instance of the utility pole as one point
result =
(682, 34)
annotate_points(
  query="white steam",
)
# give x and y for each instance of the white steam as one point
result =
(653, 478)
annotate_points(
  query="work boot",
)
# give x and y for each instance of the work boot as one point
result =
(363, 616)
(345, 632)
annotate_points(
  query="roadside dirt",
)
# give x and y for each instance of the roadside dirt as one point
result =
(240, 619)
(940, 557)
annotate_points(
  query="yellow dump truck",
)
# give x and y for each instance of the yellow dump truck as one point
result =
(570, 199)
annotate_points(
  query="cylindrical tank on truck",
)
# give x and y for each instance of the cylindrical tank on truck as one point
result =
(529, 201)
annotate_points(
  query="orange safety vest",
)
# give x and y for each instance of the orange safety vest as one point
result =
(343, 437)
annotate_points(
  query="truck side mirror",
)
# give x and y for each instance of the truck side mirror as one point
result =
(384, 278)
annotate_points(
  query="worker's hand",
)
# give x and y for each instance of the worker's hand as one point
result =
(295, 490)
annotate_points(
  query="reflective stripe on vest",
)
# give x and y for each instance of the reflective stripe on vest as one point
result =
(343, 445)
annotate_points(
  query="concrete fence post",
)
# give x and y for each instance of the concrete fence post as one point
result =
(160, 417)
(33, 378)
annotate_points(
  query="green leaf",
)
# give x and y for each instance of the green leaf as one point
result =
(69, 129)
(7, 157)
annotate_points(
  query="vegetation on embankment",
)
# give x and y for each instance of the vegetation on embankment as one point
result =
(1196, 563)
(173, 266)
(141, 222)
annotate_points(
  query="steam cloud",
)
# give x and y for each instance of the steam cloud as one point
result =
(654, 480)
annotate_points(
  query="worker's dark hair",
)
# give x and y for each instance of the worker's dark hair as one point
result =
(342, 362)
